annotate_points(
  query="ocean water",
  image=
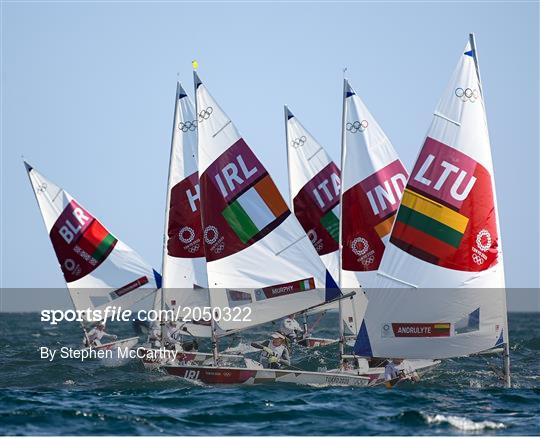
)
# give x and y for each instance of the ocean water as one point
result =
(461, 397)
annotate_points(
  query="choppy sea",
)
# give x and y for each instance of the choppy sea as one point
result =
(70, 397)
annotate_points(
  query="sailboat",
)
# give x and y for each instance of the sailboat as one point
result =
(446, 234)
(99, 269)
(185, 281)
(246, 226)
(314, 189)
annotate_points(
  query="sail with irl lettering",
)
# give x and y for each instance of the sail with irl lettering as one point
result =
(259, 257)
(100, 270)
(446, 234)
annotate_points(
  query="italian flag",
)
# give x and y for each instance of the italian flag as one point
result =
(255, 209)
(330, 221)
(97, 241)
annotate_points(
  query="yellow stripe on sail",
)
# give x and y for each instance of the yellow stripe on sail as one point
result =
(434, 210)
(441, 326)
(385, 226)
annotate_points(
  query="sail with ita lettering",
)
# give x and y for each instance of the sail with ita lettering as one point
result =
(314, 181)
(258, 255)
(446, 234)
(184, 264)
(100, 270)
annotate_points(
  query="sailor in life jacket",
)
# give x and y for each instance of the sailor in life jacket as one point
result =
(398, 369)
(275, 353)
(174, 339)
(291, 328)
(94, 336)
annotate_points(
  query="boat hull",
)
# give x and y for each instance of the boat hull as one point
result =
(254, 376)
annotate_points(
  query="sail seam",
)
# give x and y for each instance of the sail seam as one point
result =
(396, 279)
(315, 153)
(438, 114)
(222, 128)
(291, 244)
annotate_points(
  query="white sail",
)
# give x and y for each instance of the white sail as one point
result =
(258, 255)
(99, 269)
(314, 182)
(446, 234)
(373, 179)
(184, 264)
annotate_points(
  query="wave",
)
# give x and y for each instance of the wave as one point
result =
(462, 423)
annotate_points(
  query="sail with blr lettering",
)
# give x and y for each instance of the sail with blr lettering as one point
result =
(185, 280)
(100, 270)
(259, 257)
(446, 234)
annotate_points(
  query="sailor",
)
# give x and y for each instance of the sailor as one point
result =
(154, 336)
(173, 336)
(291, 328)
(397, 369)
(94, 336)
(275, 352)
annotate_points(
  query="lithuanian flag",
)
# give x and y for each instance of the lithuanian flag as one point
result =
(255, 209)
(427, 228)
(97, 241)
(330, 221)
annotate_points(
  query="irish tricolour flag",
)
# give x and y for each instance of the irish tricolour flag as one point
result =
(255, 209)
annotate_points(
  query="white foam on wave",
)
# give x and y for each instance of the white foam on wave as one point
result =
(462, 423)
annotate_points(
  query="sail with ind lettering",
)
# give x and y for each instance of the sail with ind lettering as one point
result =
(314, 182)
(446, 234)
(259, 257)
(373, 179)
(99, 269)
(184, 264)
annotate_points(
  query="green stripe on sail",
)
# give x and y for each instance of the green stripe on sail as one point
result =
(104, 246)
(240, 222)
(429, 226)
(331, 223)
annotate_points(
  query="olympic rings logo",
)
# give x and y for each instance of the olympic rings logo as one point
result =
(205, 114)
(211, 235)
(477, 259)
(368, 260)
(357, 126)
(189, 125)
(467, 94)
(190, 235)
(219, 249)
(42, 188)
(194, 248)
(483, 240)
(363, 249)
(298, 142)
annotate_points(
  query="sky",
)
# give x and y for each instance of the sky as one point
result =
(88, 96)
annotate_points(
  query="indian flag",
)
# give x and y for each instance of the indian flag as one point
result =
(97, 241)
(330, 221)
(255, 209)
(428, 228)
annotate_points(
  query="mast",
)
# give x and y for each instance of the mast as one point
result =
(341, 327)
(215, 346)
(506, 348)
(286, 114)
(166, 225)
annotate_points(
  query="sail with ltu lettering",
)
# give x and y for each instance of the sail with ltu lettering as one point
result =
(184, 264)
(259, 257)
(99, 269)
(446, 235)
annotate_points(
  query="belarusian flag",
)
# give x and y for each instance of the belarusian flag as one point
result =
(97, 241)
